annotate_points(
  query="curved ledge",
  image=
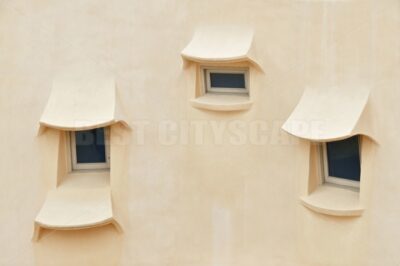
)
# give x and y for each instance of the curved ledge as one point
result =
(222, 102)
(82, 201)
(75, 208)
(77, 226)
(221, 44)
(335, 201)
(39, 227)
(329, 114)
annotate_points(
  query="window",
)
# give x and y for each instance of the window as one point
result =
(226, 80)
(341, 162)
(90, 149)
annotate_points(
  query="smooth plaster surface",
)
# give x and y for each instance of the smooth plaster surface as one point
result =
(227, 196)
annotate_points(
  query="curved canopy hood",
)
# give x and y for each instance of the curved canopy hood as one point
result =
(81, 103)
(221, 44)
(328, 114)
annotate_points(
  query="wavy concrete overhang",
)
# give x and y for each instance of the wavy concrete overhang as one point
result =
(82, 103)
(329, 114)
(221, 44)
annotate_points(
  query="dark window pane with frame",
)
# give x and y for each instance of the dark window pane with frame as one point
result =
(227, 80)
(90, 146)
(344, 159)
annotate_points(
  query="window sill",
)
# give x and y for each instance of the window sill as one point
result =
(222, 102)
(332, 200)
(82, 201)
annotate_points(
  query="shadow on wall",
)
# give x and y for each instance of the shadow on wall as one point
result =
(95, 246)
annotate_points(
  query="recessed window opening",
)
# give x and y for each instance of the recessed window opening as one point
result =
(342, 162)
(90, 149)
(226, 80)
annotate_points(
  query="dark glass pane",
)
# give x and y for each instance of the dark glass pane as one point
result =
(344, 158)
(227, 80)
(90, 146)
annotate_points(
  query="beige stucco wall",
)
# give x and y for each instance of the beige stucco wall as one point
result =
(220, 199)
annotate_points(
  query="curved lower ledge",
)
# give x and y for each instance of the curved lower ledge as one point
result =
(75, 205)
(39, 227)
(336, 201)
(222, 102)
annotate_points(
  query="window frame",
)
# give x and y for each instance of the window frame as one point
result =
(224, 70)
(75, 166)
(326, 178)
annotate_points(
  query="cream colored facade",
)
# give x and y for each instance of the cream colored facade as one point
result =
(193, 180)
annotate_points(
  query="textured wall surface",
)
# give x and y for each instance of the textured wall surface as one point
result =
(226, 197)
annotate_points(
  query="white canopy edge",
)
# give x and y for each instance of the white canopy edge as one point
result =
(221, 44)
(329, 114)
